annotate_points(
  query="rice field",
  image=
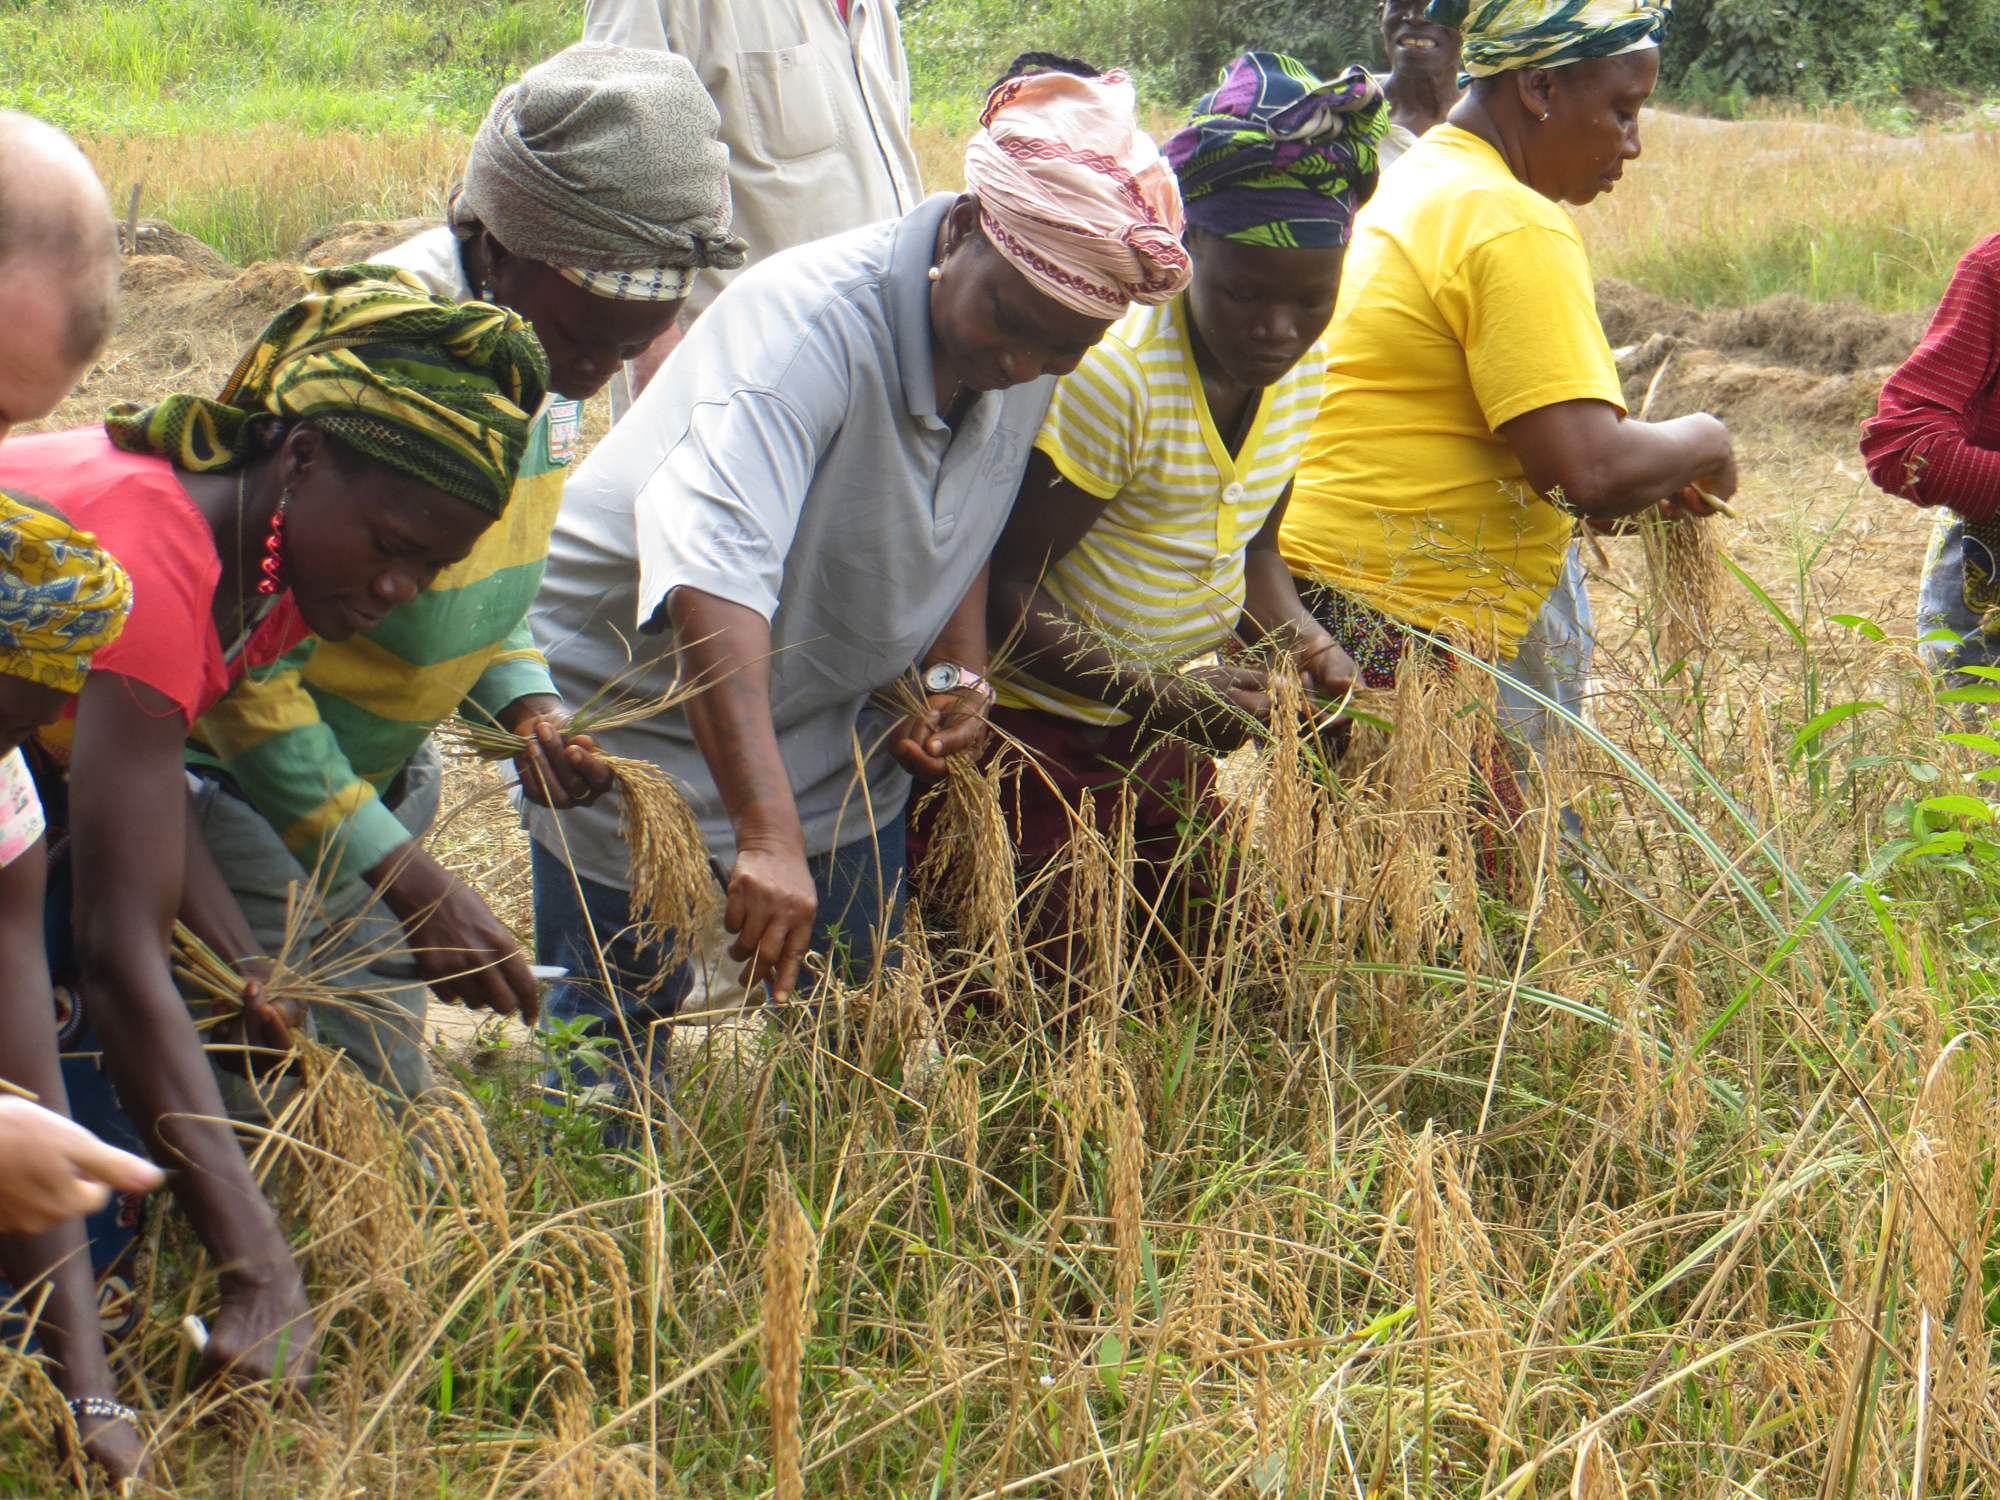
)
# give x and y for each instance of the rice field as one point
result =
(1642, 1145)
(1468, 1160)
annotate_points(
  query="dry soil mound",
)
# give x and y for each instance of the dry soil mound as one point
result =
(156, 237)
(1814, 367)
(186, 319)
(357, 240)
(1834, 338)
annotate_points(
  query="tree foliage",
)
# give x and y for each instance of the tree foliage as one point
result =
(1870, 49)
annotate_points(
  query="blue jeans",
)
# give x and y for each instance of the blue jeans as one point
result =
(1554, 659)
(860, 888)
(1957, 597)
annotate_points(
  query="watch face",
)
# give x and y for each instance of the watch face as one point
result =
(941, 677)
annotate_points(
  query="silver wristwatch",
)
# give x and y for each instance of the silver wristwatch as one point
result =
(949, 677)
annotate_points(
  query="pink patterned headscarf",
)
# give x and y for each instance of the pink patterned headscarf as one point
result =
(1076, 195)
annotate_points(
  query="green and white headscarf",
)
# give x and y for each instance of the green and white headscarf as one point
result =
(1503, 36)
(442, 391)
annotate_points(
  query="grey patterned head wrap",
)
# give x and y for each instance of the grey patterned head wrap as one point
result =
(603, 162)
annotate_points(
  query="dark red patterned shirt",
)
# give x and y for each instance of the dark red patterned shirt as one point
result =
(1936, 437)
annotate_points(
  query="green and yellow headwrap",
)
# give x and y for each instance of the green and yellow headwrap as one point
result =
(442, 391)
(1502, 36)
(61, 597)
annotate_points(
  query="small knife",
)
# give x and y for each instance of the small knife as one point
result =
(392, 969)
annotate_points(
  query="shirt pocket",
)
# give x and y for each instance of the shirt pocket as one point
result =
(791, 112)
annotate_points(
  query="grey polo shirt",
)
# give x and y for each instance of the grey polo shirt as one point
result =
(788, 458)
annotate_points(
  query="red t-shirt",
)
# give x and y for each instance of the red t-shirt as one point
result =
(139, 513)
(1935, 438)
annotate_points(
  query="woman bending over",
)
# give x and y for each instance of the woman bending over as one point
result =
(364, 443)
(1145, 535)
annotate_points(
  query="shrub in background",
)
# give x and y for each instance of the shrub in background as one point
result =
(1173, 48)
(1867, 50)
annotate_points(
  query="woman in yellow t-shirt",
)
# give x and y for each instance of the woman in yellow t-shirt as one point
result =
(1472, 412)
(1145, 533)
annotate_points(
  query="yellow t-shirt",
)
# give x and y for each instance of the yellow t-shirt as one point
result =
(1466, 301)
(1160, 575)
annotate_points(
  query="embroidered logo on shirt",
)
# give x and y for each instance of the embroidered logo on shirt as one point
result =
(565, 427)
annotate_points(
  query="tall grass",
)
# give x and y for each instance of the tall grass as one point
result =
(173, 66)
(1722, 214)
(252, 126)
(1728, 213)
(1472, 1160)
(256, 194)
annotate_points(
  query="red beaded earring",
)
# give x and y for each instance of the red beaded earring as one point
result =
(273, 549)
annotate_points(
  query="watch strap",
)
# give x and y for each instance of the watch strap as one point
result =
(967, 678)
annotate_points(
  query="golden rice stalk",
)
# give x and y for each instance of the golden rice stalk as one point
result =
(1096, 944)
(674, 896)
(1685, 565)
(959, 1111)
(1596, 1476)
(969, 867)
(1942, 1204)
(1289, 794)
(353, 1174)
(1128, 1190)
(788, 1246)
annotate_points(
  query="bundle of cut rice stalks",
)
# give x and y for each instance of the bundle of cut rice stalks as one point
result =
(346, 1145)
(674, 895)
(1684, 561)
(968, 870)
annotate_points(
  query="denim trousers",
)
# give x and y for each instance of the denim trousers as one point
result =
(860, 888)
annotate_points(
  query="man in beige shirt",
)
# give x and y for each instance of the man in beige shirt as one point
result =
(815, 102)
(1422, 81)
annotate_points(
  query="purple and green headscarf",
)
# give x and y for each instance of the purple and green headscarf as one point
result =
(1276, 156)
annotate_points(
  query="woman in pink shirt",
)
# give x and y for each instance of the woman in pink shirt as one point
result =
(362, 445)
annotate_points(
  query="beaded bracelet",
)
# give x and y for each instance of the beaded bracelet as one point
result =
(103, 1406)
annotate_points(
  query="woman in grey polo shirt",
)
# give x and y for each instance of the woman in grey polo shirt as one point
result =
(801, 508)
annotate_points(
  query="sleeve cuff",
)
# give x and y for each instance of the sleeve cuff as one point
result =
(736, 590)
(503, 682)
(1555, 395)
(1075, 473)
(364, 841)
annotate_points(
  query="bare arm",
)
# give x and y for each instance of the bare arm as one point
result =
(956, 721)
(128, 800)
(1050, 517)
(51, 1165)
(772, 900)
(1604, 465)
(211, 912)
(465, 952)
(1272, 610)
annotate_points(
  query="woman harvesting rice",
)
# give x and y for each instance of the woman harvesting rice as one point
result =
(806, 500)
(1472, 411)
(1146, 532)
(594, 194)
(364, 443)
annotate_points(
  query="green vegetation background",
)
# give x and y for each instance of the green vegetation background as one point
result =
(371, 65)
(252, 122)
